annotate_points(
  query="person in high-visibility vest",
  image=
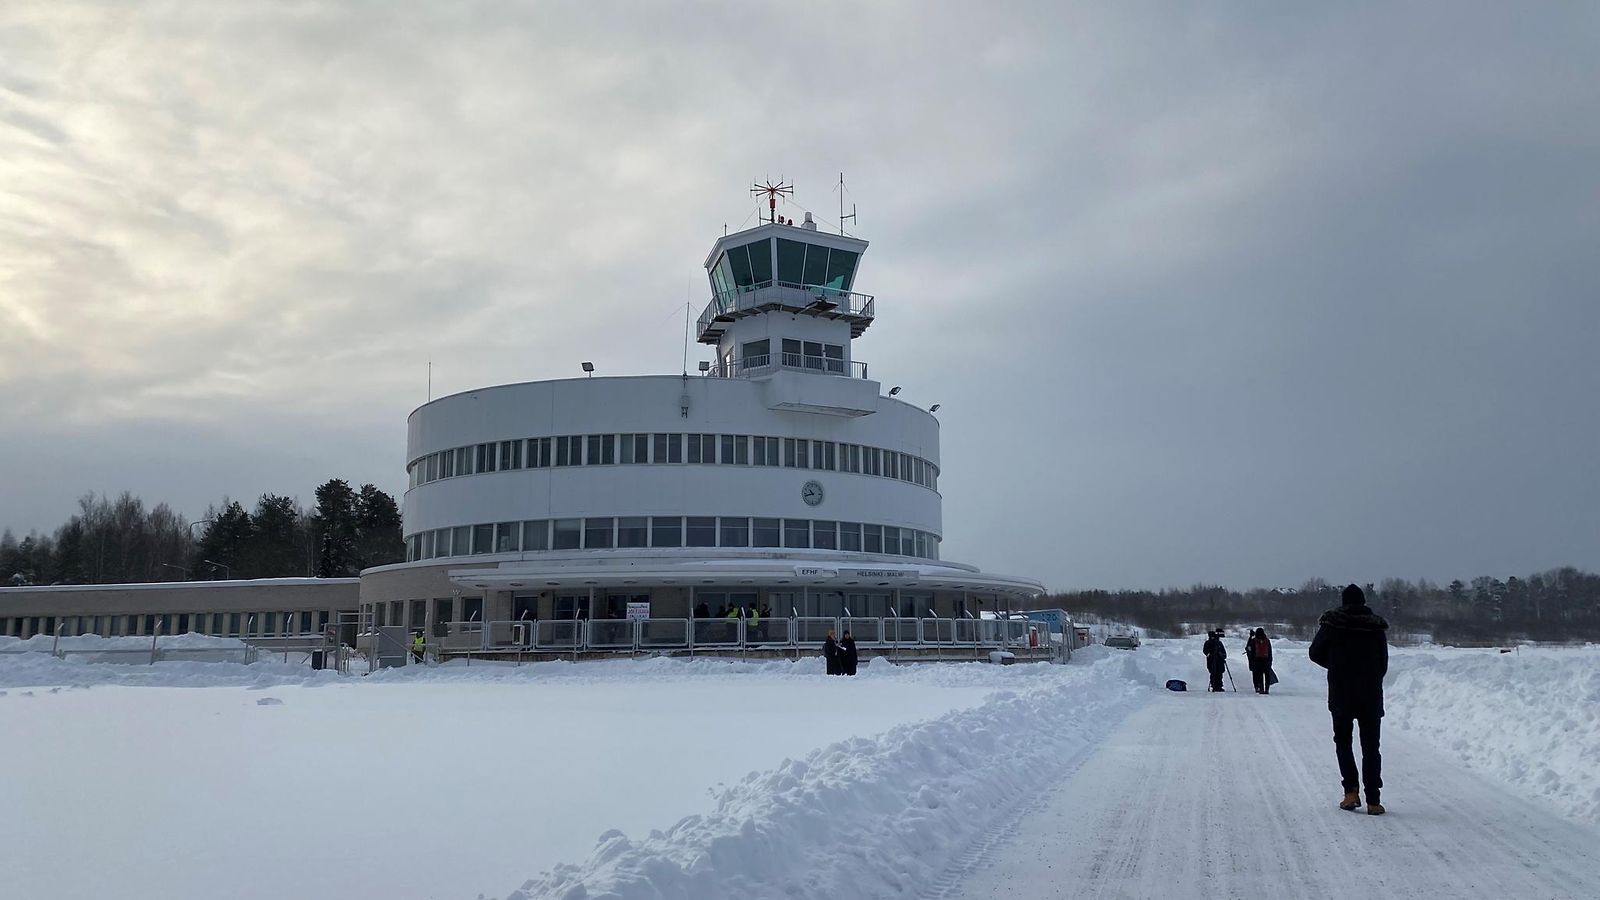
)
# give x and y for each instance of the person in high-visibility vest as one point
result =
(417, 646)
(754, 628)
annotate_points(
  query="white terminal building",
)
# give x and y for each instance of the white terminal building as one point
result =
(778, 478)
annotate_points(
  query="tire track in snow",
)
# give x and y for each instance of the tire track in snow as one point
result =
(1203, 796)
(1004, 826)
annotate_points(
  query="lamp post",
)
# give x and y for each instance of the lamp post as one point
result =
(179, 568)
(227, 573)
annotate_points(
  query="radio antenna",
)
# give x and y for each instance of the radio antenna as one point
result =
(772, 192)
(687, 303)
(842, 216)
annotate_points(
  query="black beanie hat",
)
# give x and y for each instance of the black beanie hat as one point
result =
(1353, 596)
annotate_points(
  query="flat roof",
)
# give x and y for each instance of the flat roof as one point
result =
(181, 585)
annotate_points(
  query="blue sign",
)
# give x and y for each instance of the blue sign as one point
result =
(1054, 617)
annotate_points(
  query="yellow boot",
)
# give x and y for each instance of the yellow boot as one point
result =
(1351, 800)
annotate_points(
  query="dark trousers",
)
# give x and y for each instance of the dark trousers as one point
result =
(1259, 676)
(1371, 775)
(1216, 676)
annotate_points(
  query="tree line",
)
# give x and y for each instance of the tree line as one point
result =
(122, 541)
(1557, 605)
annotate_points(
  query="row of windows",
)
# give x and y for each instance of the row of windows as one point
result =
(797, 354)
(752, 265)
(245, 624)
(694, 449)
(445, 611)
(670, 531)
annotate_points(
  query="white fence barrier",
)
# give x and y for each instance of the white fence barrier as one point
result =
(1024, 637)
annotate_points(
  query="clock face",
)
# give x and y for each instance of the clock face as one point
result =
(811, 493)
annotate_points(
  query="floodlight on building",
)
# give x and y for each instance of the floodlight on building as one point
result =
(934, 408)
(705, 365)
(894, 390)
(589, 368)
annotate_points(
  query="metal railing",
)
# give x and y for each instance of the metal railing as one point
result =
(133, 649)
(763, 363)
(1023, 637)
(786, 295)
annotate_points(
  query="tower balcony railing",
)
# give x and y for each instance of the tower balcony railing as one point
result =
(771, 296)
(766, 363)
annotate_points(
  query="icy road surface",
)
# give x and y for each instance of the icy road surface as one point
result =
(1202, 795)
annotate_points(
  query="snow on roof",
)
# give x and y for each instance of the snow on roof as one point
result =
(182, 585)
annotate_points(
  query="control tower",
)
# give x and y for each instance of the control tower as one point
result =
(783, 301)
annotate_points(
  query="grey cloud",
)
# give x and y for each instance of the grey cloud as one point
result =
(1238, 295)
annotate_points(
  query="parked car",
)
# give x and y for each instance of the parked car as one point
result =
(1122, 642)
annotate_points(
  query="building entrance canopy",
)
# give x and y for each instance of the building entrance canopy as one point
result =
(734, 572)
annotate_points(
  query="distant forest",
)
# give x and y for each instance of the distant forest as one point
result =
(1558, 605)
(121, 541)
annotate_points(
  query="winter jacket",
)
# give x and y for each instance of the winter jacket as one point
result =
(1215, 653)
(1350, 644)
(847, 655)
(830, 654)
(1259, 662)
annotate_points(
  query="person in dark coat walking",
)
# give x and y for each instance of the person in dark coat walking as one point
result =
(1350, 644)
(831, 654)
(1216, 658)
(1258, 653)
(847, 653)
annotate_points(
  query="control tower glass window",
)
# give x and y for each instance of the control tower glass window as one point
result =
(811, 265)
(841, 269)
(751, 264)
(791, 261)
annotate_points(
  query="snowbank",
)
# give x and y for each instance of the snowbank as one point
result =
(494, 772)
(1530, 719)
(873, 816)
(44, 643)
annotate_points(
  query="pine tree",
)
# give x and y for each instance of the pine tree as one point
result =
(274, 549)
(223, 545)
(377, 520)
(334, 528)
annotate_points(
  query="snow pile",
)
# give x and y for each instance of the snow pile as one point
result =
(1530, 719)
(89, 669)
(502, 772)
(44, 643)
(879, 816)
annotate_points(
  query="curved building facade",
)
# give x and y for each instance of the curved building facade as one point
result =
(777, 478)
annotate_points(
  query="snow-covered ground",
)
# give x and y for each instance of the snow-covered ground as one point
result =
(711, 779)
(1201, 795)
(1529, 719)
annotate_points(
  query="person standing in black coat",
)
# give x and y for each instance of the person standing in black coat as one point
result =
(1258, 653)
(847, 653)
(1216, 658)
(831, 655)
(1350, 644)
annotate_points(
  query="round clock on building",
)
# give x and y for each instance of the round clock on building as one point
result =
(811, 493)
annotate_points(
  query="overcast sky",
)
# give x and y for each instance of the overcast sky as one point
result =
(1240, 293)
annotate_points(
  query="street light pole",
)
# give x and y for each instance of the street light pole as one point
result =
(227, 573)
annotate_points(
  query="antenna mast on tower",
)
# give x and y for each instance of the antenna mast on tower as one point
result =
(772, 191)
(842, 216)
